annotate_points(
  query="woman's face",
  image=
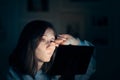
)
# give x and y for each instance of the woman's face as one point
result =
(46, 47)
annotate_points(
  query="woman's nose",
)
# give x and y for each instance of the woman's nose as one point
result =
(53, 44)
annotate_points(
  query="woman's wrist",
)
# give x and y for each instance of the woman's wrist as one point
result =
(78, 41)
(75, 41)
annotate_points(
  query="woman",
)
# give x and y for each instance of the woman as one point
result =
(35, 51)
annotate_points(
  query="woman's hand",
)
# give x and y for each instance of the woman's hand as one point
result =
(66, 39)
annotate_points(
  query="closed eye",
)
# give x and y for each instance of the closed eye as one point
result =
(52, 40)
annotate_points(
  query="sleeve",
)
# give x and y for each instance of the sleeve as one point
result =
(90, 74)
(85, 43)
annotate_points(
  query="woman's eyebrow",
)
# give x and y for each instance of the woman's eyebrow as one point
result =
(53, 37)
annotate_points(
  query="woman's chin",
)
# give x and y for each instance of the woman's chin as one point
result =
(44, 60)
(47, 60)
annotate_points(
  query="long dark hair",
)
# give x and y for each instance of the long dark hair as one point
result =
(23, 58)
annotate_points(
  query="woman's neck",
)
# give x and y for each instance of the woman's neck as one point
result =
(40, 65)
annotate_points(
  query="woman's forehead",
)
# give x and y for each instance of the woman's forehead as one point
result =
(49, 33)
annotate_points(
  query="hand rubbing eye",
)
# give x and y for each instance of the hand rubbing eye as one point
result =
(52, 41)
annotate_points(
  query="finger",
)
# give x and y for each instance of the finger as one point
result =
(56, 45)
(65, 43)
(61, 38)
(58, 41)
(65, 36)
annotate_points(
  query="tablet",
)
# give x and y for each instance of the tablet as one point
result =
(71, 60)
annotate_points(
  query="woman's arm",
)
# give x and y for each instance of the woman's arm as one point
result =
(66, 39)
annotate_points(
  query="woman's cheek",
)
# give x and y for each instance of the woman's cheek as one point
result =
(51, 48)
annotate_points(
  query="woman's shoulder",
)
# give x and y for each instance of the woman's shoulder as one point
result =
(13, 74)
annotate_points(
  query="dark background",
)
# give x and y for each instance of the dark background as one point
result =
(96, 21)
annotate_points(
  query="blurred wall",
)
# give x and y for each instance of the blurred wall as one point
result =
(64, 14)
